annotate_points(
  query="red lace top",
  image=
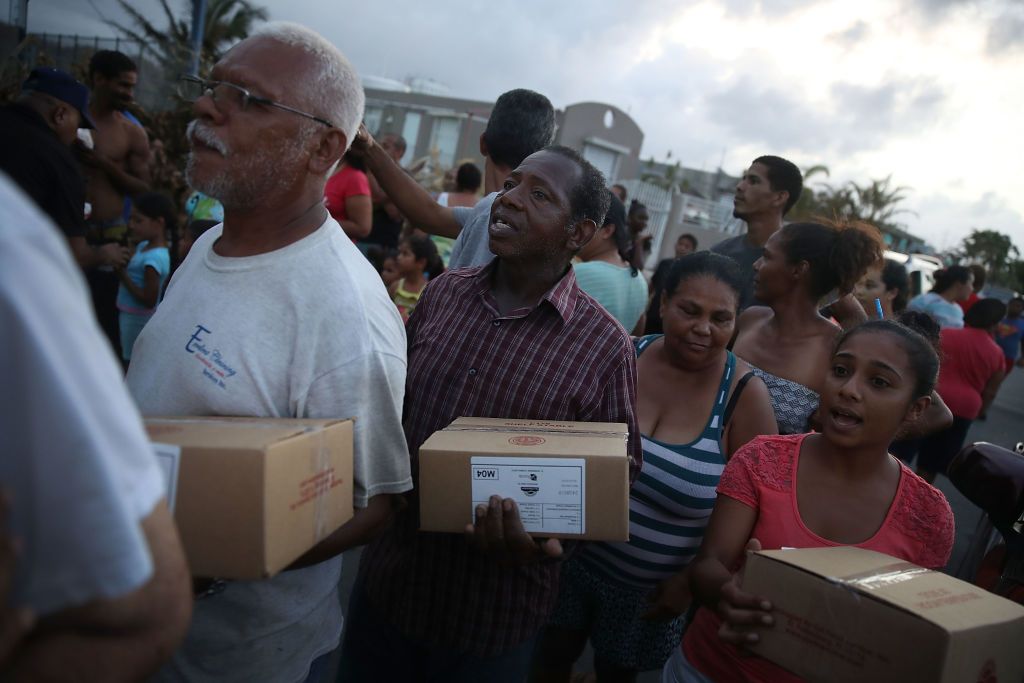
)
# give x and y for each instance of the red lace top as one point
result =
(762, 474)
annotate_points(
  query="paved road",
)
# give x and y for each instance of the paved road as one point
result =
(1004, 426)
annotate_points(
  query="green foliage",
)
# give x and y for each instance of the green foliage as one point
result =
(993, 250)
(666, 181)
(1015, 276)
(226, 22)
(876, 202)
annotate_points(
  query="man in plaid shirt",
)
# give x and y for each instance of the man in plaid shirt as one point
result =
(515, 339)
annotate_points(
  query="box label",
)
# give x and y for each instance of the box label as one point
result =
(167, 457)
(550, 492)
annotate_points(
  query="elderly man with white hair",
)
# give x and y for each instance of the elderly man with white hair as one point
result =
(298, 321)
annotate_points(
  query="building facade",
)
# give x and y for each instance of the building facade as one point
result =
(445, 130)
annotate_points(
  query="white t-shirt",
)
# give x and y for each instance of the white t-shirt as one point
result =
(75, 458)
(303, 331)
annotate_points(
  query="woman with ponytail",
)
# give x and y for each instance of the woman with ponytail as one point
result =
(952, 285)
(787, 341)
(606, 273)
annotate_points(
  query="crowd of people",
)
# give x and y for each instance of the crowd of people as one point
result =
(765, 384)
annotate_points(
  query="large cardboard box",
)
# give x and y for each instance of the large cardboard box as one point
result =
(846, 614)
(569, 479)
(252, 495)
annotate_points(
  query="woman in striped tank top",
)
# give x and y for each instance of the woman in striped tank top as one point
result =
(697, 404)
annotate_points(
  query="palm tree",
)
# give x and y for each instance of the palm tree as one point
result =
(807, 206)
(226, 22)
(877, 202)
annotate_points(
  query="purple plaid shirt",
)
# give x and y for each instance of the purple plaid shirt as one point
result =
(564, 359)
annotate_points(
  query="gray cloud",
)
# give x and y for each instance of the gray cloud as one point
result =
(1005, 19)
(947, 221)
(1006, 32)
(857, 119)
(773, 8)
(852, 36)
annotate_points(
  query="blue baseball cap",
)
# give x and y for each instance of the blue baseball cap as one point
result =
(64, 87)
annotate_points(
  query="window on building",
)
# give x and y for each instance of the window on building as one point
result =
(372, 118)
(444, 137)
(411, 133)
(606, 161)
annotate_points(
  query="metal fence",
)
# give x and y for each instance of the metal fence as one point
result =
(659, 204)
(72, 52)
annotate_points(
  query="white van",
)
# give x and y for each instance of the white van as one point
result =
(920, 267)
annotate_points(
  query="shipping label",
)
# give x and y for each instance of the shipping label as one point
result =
(550, 492)
(167, 457)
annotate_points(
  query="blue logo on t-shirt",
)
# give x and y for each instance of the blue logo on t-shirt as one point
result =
(215, 368)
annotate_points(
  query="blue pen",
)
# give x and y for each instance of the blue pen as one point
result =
(878, 308)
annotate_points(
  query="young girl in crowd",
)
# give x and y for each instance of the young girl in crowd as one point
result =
(389, 269)
(787, 342)
(837, 487)
(952, 285)
(606, 273)
(972, 370)
(889, 283)
(1010, 334)
(142, 280)
(417, 262)
(627, 598)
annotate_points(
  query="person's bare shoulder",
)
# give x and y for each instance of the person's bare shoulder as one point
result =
(752, 317)
(742, 367)
(137, 134)
(828, 329)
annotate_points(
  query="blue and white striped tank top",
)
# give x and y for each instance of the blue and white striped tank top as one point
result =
(670, 503)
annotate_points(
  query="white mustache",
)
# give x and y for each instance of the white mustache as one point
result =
(199, 131)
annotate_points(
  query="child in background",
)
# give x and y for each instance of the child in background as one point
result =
(142, 280)
(417, 262)
(389, 269)
(1010, 334)
(837, 487)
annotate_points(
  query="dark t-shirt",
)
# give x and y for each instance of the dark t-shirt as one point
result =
(744, 254)
(43, 167)
(385, 229)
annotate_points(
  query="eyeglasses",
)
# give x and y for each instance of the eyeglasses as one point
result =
(191, 88)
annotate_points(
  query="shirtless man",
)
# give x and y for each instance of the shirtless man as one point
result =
(117, 167)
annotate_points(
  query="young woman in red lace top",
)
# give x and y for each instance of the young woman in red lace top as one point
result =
(837, 487)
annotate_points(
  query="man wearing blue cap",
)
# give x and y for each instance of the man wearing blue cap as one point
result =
(36, 133)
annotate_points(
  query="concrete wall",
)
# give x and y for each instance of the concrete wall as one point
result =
(578, 122)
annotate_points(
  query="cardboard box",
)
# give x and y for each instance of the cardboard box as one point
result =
(848, 614)
(252, 495)
(570, 479)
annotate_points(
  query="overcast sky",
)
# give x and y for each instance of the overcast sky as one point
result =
(930, 91)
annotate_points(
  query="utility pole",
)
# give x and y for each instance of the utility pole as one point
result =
(198, 28)
(18, 15)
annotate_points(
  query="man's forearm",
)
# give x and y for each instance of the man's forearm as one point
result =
(412, 200)
(124, 181)
(85, 255)
(88, 656)
(366, 525)
(121, 639)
